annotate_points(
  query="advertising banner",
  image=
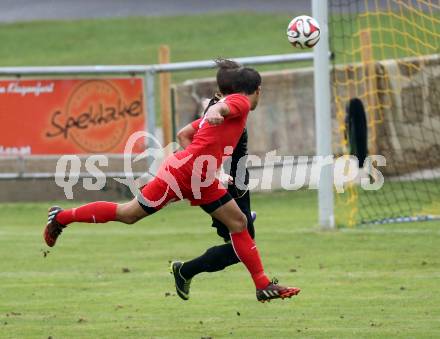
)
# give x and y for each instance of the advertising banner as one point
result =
(73, 116)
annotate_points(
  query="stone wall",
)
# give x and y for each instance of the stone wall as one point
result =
(410, 109)
(284, 119)
(401, 98)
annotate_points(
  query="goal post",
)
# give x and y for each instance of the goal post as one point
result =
(323, 122)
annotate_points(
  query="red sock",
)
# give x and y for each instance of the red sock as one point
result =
(95, 212)
(247, 252)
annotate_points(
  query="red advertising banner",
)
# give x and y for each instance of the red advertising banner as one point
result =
(69, 116)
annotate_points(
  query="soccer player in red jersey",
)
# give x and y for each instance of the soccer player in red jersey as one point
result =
(219, 257)
(191, 174)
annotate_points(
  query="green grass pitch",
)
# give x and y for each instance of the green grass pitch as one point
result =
(136, 40)
(371, 282)
(380, 281)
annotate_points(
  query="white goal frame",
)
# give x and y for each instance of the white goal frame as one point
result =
(323, 122)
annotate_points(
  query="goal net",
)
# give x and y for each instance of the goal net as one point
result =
(386, 101)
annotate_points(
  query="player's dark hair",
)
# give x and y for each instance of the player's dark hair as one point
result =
(248, 80)
(234, 78)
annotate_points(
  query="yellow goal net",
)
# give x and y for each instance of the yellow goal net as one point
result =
(386, 101)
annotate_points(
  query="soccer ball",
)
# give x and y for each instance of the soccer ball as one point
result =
(303, 32)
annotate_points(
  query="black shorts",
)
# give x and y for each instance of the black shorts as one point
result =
(211, 207)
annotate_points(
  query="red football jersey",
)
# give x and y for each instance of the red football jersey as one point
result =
(188, 171)
(220, 140)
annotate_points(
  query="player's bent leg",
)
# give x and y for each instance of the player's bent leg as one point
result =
(247, 252)
(130, 212)
(245, 248)
(58, 219)
(215, 259)
(244, 203)
(95, 212)
(231, 216)
(103, 211)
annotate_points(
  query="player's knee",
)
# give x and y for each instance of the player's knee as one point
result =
(240, 223)
(243, 222)
(128, 213)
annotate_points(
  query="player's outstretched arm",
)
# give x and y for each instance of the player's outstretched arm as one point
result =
(186, 135)
(215, 113)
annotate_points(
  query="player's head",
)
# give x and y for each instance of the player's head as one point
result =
(234, 78)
